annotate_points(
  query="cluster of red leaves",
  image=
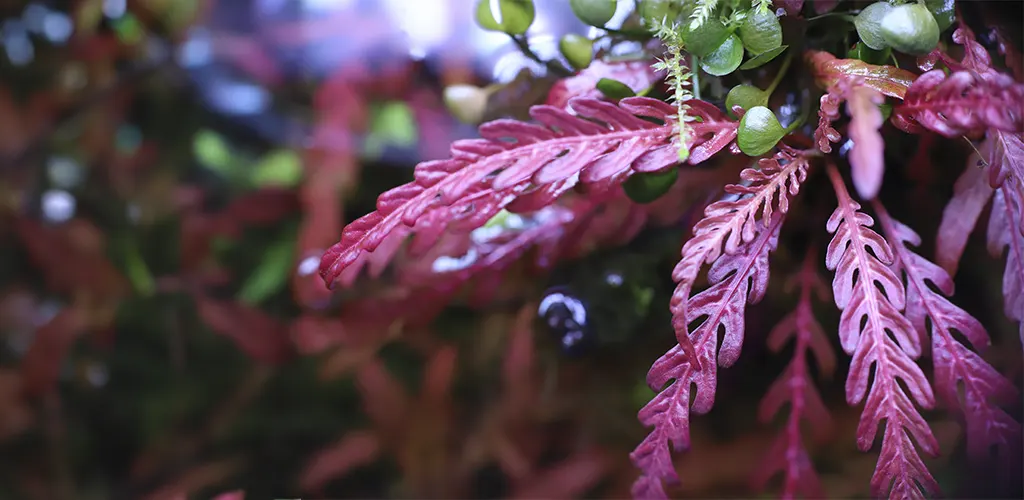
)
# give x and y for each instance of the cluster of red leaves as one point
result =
(735, 237)
(890, 311)
(512, 434)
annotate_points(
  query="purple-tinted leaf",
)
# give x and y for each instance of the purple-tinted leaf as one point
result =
(486, 175)
(962, 103)
(957, 368)
(1003, 236)
(970, 195)
(860, 258)
(736, 237)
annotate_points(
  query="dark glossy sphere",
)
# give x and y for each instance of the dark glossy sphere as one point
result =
(567, 320)
(598, 303)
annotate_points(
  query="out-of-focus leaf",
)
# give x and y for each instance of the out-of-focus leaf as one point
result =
(257, 333)
(352, 450)
(212, 151)
(515, 16)
(638, 76)
(392, 124)
(278, 168)
(867, 158)
(272, 273)
(614, 89)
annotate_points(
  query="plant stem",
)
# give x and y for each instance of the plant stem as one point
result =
(780, 73)
(552, 66)
(695, 78)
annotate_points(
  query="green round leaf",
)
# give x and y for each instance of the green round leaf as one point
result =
(516, 16)
(578, 50)
(746, 97)
(614, 89)
(594, 12)
(725, 59)
(653, 12)
(759, 131)
(704, 40)
(760, 32)
(649, 186)
(869, 25)
(763, 58)
(910, 29)
(944, 12)
(867, 54)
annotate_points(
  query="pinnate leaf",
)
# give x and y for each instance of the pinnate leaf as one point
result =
(957, 367)
(1004, 236)
(868, 292)
(530, 165)
(736, 237)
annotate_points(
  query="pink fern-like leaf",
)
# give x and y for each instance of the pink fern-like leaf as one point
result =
(957, 367)
(736, 236)
(1005, 155)
(524, 167)
(736, 279)
(788, 454)
(1003, 236)
(961, 103)
(970, 195)
(870, 294)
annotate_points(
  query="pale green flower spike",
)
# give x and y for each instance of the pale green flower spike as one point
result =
(679, 79)
(702, 12)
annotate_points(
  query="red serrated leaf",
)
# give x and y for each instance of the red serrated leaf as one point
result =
(957, 368)
(737, 242)
(605, 143)
(1004, 236)
(961, 103)
(869, 293)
